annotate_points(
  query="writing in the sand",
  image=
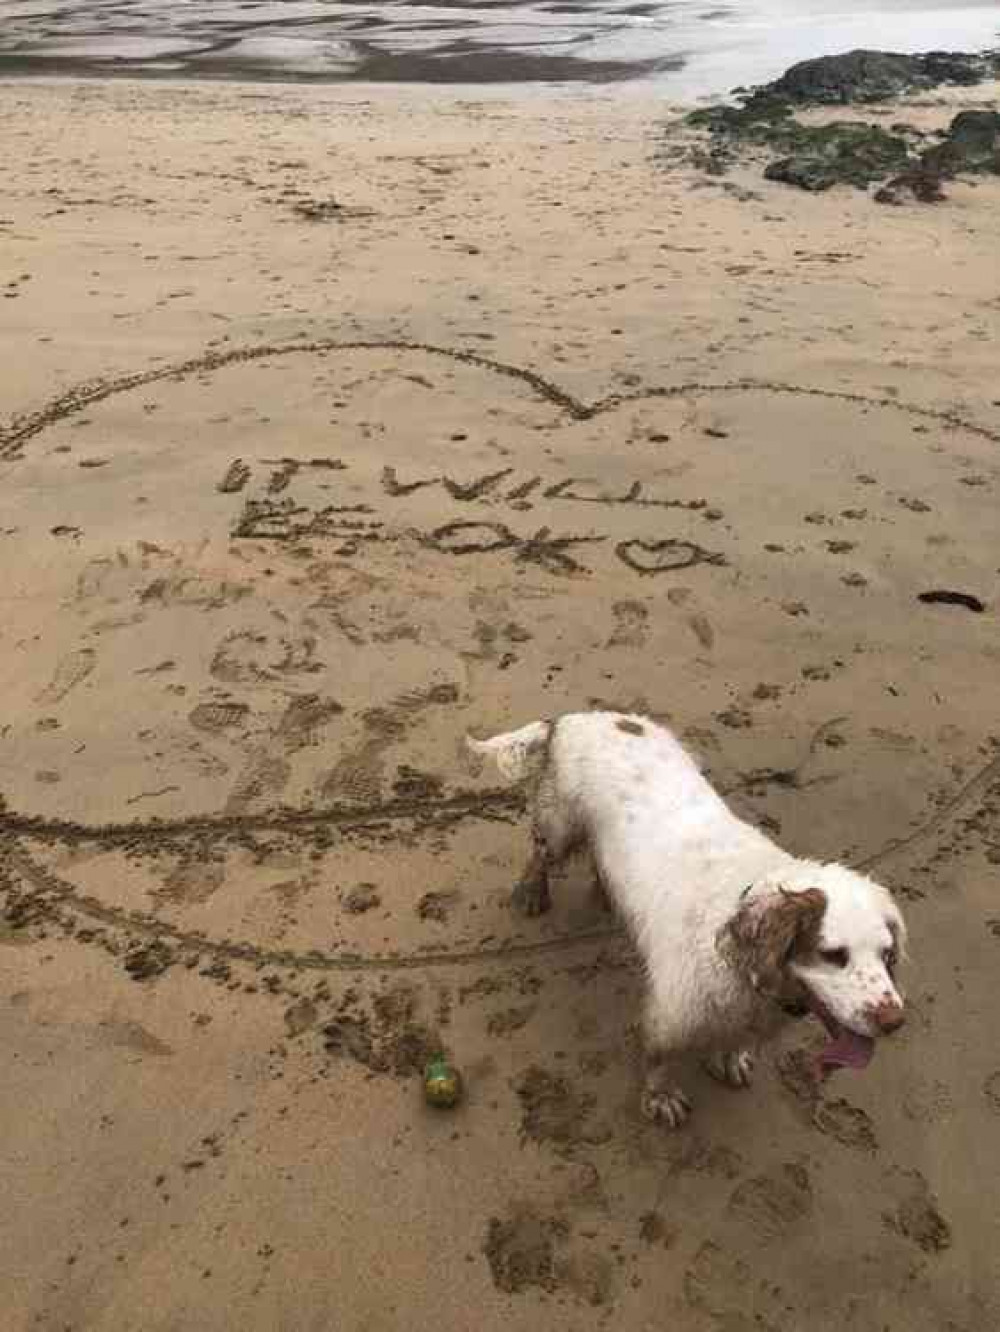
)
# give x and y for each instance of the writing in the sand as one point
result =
(279, 517)
(504, 486)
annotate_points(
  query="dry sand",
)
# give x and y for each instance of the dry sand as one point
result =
(528, 423)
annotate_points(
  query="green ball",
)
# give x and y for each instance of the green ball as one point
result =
(442, 1084)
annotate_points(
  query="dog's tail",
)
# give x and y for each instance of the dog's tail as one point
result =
(517, 752)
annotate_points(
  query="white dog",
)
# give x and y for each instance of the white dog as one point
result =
(736, 934)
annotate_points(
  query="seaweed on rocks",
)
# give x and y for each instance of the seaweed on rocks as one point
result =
(855, 152)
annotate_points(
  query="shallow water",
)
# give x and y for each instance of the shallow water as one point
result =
(690, 47)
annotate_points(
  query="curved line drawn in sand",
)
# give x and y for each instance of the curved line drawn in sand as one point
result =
(543, 547)
(434, 813)
(58, 892)
(25, 427)
(55, 891)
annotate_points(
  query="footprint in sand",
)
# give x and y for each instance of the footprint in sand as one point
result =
(631, 624)
(72, 670)
(770, 1206)
(701, 627)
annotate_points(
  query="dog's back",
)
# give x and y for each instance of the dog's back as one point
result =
(616, 775)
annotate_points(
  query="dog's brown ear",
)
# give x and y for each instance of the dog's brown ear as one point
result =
(765, 937)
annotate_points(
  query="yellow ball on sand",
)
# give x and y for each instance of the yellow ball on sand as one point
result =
(442, 1084)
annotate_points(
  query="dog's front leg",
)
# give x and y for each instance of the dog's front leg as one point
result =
(732, 1067)
(663, 1101)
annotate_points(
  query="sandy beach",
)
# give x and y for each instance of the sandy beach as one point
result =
(336, 422)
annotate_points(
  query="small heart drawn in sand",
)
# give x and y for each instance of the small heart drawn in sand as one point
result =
(655, 557)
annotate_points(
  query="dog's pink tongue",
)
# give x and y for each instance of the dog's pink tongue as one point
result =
(846, 1050)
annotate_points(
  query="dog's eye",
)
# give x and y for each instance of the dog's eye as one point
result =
(837, 957)
(889, 960)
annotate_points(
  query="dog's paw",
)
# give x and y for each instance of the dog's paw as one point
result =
(531, 898)
(666, 1106)
(733, 1067)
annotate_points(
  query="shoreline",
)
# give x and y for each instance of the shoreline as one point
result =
(674, 45)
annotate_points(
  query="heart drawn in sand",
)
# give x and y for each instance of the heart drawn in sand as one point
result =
(307, 627)
(654, 557)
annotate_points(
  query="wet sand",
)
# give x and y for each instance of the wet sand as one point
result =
(335, 423)
(687, 48)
